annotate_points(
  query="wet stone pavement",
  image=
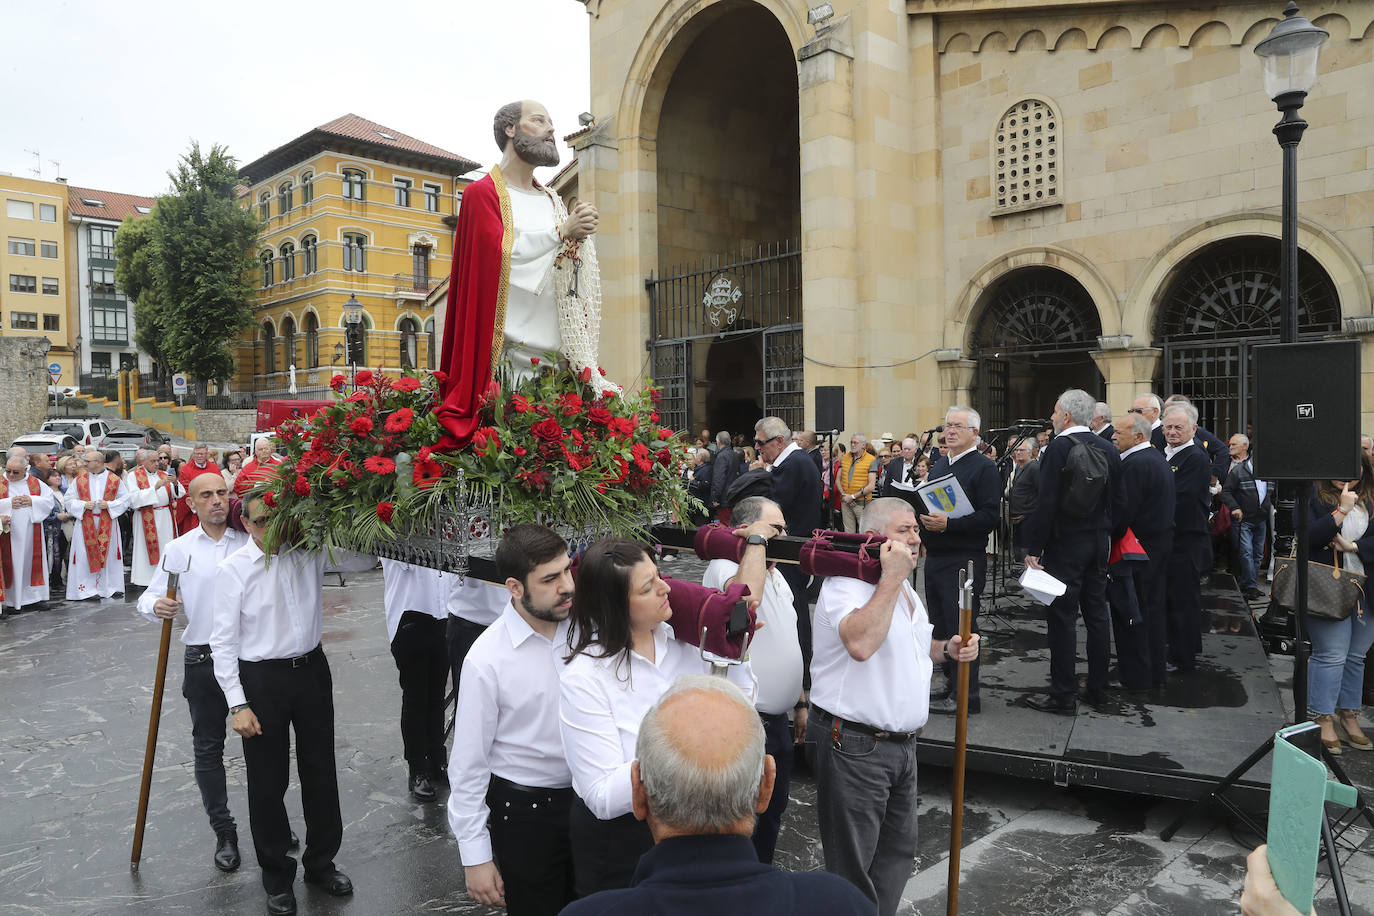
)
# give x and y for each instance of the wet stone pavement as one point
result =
(75, 690)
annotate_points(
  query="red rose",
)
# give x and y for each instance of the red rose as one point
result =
(360, 425)
(302, 486)
(653, 416)
(427, 473)
(665, 434)
(599, 415)
(440, 376)
(520, 403)
(385, 511)
(379, 465)
(519, 452)
(484, 436)
(549, 430)
(337, 382)
(400, 421)
(585, 375)
(363, 377)
(665, 457)
(406, 383)
(569, 403)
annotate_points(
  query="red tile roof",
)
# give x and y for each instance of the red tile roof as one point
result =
(359, 130)
(113, 206)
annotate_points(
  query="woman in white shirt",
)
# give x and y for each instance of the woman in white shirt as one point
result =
(623, 657)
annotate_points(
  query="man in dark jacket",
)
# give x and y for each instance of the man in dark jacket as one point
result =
(725, 467)
(1148, 511)
(899, 477)
(1074, 549)
(1023, 490)
(952, 542)
(1192, 548)
(699, 800)
(1217, 454)
(1248, 500)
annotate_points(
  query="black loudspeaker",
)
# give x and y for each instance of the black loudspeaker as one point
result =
(829, 408)
(1307, 411)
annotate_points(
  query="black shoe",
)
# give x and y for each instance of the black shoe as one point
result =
(227, 851)
(332, 882)
(295, 841)
(421, 788)
(1062, 706)
(1254, 594)
(281, 904)
(949, 706)
(1095, 698)
(439, 776)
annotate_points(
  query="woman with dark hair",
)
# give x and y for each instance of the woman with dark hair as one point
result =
(1340, 523)
(622, 658)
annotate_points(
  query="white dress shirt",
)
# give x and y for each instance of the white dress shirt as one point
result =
(785, 454)
(200, 555)
(413, 588)
(476, 601)
(264, 612)
(507, 723)
(1171, 450)
(774, 652)
(889, 691)
(602, 703)
(1136, 448)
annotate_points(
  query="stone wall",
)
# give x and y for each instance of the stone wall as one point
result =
(225, 425)
(24, 368)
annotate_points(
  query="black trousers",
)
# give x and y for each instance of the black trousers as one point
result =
(1151, 586)
(461, 634)
(421, 653)
(531, 844)
(1079, 561)
(796, 580)
(942, 601)
(607, 851)
(286, 696)
(1190, 558)
(777, 740)
(209, 713)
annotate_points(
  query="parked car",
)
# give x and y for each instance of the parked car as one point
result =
(46, 443)
(86, 430)
(128, 441)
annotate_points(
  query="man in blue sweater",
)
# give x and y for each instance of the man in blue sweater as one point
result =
(700, 776)
(952, 542)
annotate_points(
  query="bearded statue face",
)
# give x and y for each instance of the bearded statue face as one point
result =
(534, 138)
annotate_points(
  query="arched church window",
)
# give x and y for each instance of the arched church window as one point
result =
(1025, 158)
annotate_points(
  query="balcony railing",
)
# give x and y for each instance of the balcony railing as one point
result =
(413, 283)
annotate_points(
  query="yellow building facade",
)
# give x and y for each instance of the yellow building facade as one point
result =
(37, 291)
(351, 209)
(930, 202)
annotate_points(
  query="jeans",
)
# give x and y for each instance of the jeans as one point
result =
(1335, 674)
(777, 738)
(1249, 538)
(866, 805)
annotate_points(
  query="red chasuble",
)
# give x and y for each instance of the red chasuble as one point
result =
(36, 577)
(478, 289)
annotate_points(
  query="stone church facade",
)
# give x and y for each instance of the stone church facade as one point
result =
(931, 202)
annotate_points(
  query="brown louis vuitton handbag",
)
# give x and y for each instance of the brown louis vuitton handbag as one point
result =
(1333, 593)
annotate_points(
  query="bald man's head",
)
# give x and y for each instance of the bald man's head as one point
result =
(701, 767)
(209, 496)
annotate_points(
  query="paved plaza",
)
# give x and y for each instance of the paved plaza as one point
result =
(75, 688)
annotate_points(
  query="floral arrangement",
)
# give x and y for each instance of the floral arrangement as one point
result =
(548, 449)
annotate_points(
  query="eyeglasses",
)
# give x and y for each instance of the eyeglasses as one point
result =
(760, 443)
(10, 472)
(259, 521)
(1136, 410)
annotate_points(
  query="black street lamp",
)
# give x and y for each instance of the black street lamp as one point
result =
(1290, 55)
(353, 318)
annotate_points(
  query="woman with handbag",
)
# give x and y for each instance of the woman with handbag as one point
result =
(1341, 535)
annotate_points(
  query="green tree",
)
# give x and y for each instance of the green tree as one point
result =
(203, 244)
(136, 256)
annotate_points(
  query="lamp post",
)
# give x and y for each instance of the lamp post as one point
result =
(353, 318)
(1290, 55)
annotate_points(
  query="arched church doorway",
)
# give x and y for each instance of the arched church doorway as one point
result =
(725, 301)
(1223, 302)
(1032, 341)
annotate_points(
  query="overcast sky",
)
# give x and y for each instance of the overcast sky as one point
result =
(115, 92)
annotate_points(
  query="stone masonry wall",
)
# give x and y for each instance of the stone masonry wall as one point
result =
(225, 425)
(24, 370)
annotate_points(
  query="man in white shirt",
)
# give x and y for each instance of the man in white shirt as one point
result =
(870, 693)
(511, 787)
(151, 492)
(199, 553)
(94, 500)
(25, 501)
(775, 653)
(416, 611)
(268, 660)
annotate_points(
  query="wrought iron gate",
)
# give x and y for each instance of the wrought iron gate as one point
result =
(717, 298)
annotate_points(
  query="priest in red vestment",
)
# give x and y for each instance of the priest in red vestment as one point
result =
(200, 463)
(511, 231)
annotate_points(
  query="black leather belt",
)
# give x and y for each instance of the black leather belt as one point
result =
(297, 662)
(840, 725)
(501, 784)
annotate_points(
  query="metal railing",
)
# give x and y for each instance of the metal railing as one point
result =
(413, 282)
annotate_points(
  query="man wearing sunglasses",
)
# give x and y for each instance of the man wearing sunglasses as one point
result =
(269, 661)
(25, 501)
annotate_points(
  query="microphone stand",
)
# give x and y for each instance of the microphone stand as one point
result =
(1002, 560)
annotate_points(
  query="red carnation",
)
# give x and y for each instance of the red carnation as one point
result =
(585, 375)
(534, 360)
(302, 486)
(270, 497)
(337, 382)
(423, 454)
(665, 433)
(549, 430)
(360, 425)
(407, 383)
(519, 452)
(427, 473)
(569, 403)
(379, 465)
(400, 421)
(520, 403)
(653, 416)
(385, 511)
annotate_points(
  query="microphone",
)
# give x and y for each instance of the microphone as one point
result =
(938, 429)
